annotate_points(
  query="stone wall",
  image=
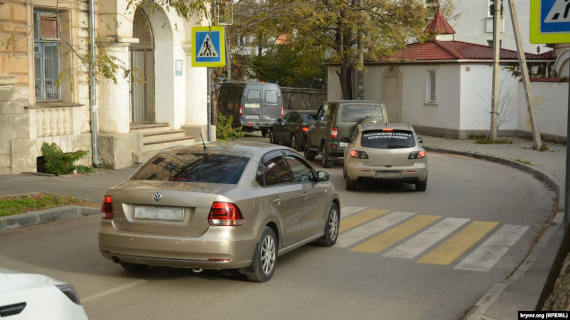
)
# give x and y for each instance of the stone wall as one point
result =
(22, 127)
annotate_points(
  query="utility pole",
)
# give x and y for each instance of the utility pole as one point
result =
(360, 67)
(526, 80)
(496, 9)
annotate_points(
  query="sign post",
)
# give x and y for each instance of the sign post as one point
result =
(208, 50)
(550, 23)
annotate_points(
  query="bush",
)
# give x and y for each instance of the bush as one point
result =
(58, 162)
(225, 129)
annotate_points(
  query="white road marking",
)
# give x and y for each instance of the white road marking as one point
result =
(348, 211)
(426, 239)
(112, 291)
(358, 234)
(493, 249)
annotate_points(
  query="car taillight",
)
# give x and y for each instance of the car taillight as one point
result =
(225, 214)
(417, 155)
(358, 154)
(107, 207)
(334, 133)
(305, 129)
(282, 111)
(241, 110)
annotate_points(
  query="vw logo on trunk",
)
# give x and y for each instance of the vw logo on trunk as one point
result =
(157, 196)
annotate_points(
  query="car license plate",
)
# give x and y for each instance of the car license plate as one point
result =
(252, 105)
(388, 174)
(343, 144)
(159, 213)
(251, 116)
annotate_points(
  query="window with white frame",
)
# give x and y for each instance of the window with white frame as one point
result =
(431, 87)
(47, 57)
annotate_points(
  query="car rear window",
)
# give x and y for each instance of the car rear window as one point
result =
(359, 112)
(271, 96)
(193, 167)
(253, 95)
(395, 139)
(308, 117)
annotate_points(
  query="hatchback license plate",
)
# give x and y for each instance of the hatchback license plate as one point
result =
(159, 213)
(389, 174)
(343, 144)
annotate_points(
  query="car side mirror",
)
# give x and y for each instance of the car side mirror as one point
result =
(420, 140)
(322, 176)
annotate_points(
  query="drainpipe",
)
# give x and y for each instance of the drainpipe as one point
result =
(94, 138)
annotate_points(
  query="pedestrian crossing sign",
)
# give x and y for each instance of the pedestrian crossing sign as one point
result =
(550, 21)
(208, 47)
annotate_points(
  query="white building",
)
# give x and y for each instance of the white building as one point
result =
(443, 88)
(44, 85)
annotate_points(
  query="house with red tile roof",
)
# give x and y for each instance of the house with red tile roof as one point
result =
(444, 86)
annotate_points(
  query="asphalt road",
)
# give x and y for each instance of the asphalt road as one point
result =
(490, 201)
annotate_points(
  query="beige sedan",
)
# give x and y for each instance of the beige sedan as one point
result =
(378, 152)
(237, 206)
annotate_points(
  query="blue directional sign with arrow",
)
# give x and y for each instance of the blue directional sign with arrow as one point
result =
(550, 21)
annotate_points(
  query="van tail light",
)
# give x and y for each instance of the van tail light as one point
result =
(282, 111)
(358, 154)
(334, 133)
(241, 110)
(305, 129)
(107, 207)
(225, 214)
(417, 155)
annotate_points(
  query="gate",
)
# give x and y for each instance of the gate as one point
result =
(142, 70)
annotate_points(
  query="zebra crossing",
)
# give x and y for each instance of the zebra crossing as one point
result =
(427, 238)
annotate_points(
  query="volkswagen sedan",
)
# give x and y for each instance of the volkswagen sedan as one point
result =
(237, 206)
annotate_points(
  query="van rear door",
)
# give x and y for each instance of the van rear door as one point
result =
(252, 103)
(272, 102)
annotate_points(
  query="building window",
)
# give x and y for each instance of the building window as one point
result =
(431, 87)
(47, 57)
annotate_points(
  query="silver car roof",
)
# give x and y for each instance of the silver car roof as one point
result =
(242, 148)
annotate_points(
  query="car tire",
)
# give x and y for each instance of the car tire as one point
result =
(264, 132)
(421, 186)
(325, 156)
(331, 227)
(133, 267)
(350, 184)
(293, 142)
(271, 137)
(309, 155)
(265, 257)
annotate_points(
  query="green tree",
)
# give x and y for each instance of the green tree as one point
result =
(334, 25)
(290, 68)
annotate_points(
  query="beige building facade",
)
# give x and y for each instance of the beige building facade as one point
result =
(45, 84)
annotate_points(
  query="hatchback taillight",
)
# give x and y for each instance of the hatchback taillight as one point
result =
(225, 214)
(305, 129)
(282, 111)
(107, 207)
(417, 155)
(241, 110)
(334, 133)
(358, 154)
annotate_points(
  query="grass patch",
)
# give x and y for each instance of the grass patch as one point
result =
(37, 201)
(486, 140)
(528, 163)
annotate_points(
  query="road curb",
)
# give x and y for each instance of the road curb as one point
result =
(43, 216)
(477, 312)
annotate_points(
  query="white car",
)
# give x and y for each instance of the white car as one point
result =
(34, 296)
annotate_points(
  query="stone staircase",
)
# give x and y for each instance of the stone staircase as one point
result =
(158, 136)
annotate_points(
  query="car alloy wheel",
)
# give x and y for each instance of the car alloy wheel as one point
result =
(333, 224)
(268, 254)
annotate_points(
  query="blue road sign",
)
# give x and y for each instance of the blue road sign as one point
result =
(550, 21)
(208, 47)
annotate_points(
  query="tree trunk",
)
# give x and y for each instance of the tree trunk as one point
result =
(345, 77)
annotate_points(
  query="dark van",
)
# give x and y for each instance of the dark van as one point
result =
(254, 105)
